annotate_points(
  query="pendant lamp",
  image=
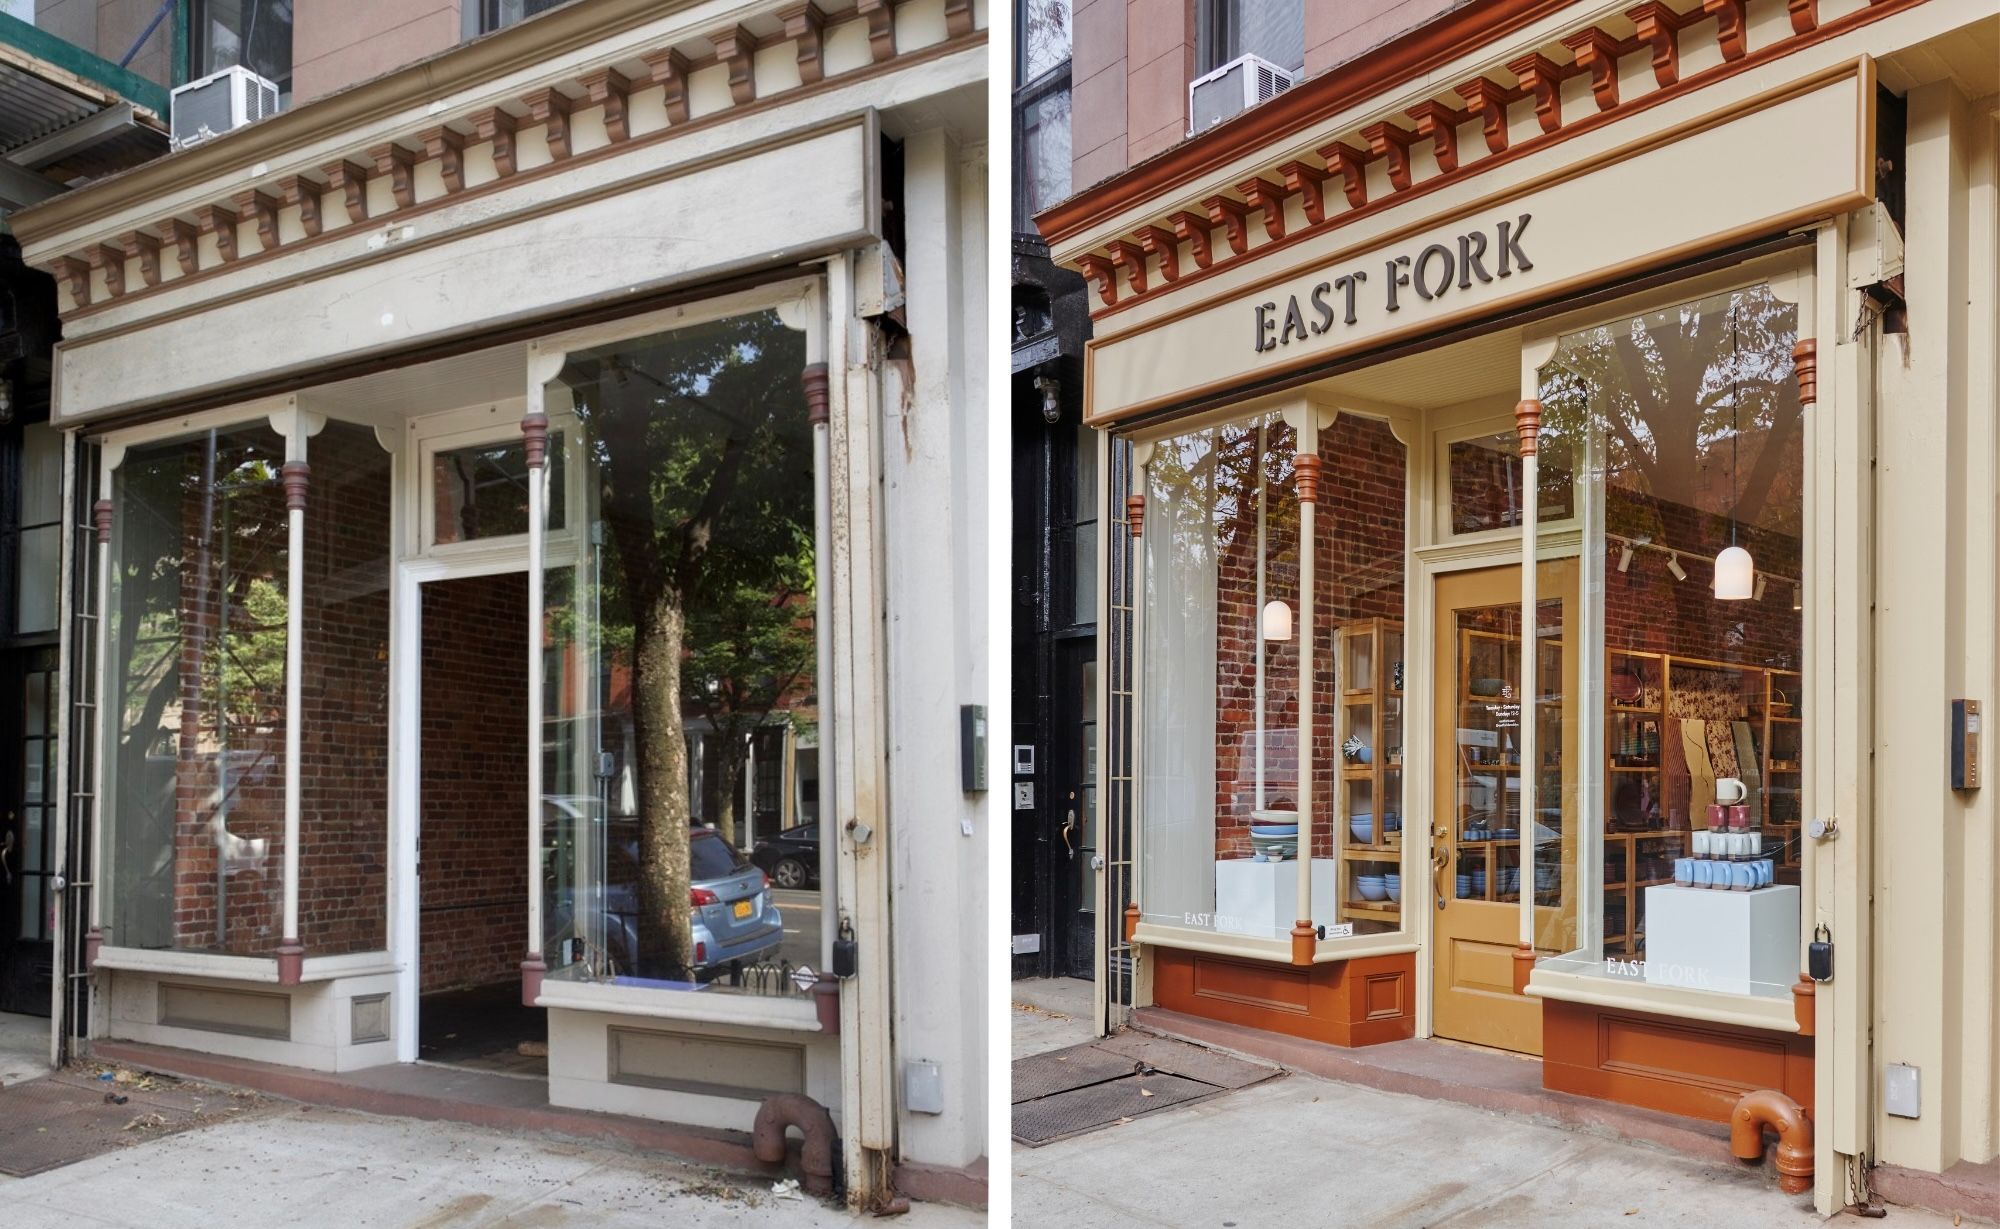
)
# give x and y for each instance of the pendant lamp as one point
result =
(1735, 571)
(1277, 621)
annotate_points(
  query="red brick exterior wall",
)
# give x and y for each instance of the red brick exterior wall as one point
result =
(1358, 573)
(474, 886)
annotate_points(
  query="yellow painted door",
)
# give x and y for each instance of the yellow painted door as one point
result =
(1478, 829)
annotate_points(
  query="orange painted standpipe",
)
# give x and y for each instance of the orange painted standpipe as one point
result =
(791, 1109)
(1769, 1108)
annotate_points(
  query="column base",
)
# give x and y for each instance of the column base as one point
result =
(1305, 942)
(1803, 992)
(1131, 920)
(93, 942)
(291, 962)
(532, 970)
(826, 1001)
(1524, 964)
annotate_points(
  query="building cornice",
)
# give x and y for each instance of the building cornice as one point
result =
(570, 28)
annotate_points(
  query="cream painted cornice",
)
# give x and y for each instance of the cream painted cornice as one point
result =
(513, 49)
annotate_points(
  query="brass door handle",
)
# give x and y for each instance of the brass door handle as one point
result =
(1069, 822)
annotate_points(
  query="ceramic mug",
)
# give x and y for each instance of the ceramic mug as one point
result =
(1756, 841)
(1763, 873)
(1718, 816)
(1742, 876)
(1684, 871)
(1703, 844)
(1730, 790)
(1739, 816)
(1739, 844)
(1704, 873)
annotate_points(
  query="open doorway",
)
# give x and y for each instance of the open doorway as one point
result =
(472, 865)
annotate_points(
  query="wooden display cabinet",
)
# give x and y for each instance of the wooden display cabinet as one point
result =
(1784, 776)
(1368, 656)
(1493, 861)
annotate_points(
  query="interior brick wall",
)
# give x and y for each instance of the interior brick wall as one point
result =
(344, 697)
(474, 885)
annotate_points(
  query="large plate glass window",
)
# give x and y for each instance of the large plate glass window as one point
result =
(1690, 437)
(1223, 629)
(194, 725)
(680, 669)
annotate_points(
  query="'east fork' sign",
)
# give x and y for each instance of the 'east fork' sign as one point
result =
(1434, 272)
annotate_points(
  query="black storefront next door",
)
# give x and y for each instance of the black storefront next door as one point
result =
(27, 829)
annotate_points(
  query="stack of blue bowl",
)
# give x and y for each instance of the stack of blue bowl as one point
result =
(1371, 887)
(1394, 882)
(1464, 884)
(1274, 842)
(1361, 826)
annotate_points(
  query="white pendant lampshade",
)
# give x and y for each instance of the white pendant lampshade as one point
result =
(1277, 621)
(1735, 575)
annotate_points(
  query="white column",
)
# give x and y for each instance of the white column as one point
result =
(1305, 937)
(106, 728)
(296, 476)
(1528, 426)
(542, 367)
(1135, 514)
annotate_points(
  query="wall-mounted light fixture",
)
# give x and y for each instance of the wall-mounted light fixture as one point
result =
(1051, 390)
(1757, 594)
(1625, 556)
(1277, 621)
(1674, 566)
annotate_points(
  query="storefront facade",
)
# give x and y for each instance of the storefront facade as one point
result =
(1718, 288)
(489, 520)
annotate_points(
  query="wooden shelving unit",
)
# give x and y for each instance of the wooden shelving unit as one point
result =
(1368, 656)
(1648, 813)
(1489, 858)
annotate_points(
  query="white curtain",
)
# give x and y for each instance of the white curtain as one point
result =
(1178, 744)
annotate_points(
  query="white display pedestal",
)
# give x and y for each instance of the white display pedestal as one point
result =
(1725, 940)
(1262, 898)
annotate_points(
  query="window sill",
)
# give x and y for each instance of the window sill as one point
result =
(798, 1015)
(262, 969)
(1273, 950)
(1775, 1015)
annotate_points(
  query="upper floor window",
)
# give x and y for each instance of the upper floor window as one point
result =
(1272, 29)
(498, 14)
(254, 33)
(1041, 107)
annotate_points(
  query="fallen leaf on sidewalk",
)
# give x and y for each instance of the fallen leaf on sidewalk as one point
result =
(1631, 1211)
(1145, 1092)
(1124, 1121)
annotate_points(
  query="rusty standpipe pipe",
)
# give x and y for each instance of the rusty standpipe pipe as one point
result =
(791, 1109)
(1769, 1108)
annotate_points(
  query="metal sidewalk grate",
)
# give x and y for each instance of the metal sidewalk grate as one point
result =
(1085, 1087)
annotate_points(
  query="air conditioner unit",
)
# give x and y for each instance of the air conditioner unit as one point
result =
(219, 103)
(1235, 87)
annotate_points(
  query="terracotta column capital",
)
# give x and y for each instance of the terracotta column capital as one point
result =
(1135, 511)
(100, 513)
(296, 477)
(1528, 425)
(1305, 468)
(818, 394)
(535, 437)
(1805, 366)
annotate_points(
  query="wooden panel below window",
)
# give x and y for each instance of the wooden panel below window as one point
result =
(1358, 1002)
(1686, 1067)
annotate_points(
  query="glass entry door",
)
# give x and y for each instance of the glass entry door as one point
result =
(1486, 851)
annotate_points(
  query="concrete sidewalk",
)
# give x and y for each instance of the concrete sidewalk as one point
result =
(1307, 1151)
(344, 1170)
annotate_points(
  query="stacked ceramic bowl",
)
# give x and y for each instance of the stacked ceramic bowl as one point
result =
(1510, 879)
(1274, 835)
(1394, 883)
(1371, 887)
(1464, 884)
(1361, 826)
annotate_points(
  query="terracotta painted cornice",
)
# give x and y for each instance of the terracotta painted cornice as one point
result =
(1311, 102)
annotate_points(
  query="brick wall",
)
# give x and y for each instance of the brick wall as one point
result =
(344, 697)
(1358, 574)
(229, 765)
(474, 887)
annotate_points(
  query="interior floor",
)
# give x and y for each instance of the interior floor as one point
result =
(484, 1027)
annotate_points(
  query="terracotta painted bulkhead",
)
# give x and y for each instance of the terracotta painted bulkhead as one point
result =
(1667, 1063)
(1364, 1001)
